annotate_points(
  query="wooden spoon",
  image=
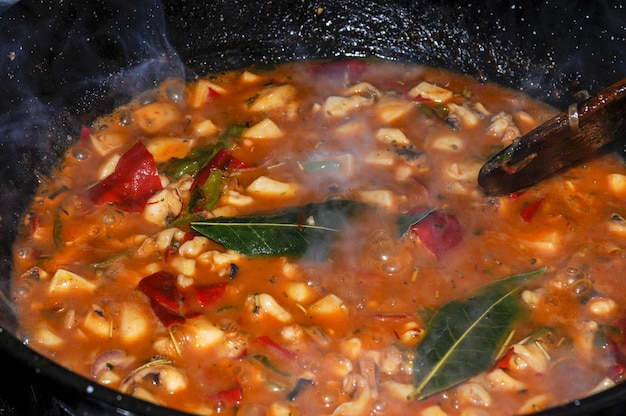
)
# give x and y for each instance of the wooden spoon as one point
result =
(559, 142)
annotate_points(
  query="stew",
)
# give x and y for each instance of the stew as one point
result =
(310, 239)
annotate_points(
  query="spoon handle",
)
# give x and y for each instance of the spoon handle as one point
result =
(566, 138)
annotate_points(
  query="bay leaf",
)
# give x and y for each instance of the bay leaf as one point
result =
(463, 337)
(290, 232)
(294, 231)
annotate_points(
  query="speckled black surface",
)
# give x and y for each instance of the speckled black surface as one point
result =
(62, 63)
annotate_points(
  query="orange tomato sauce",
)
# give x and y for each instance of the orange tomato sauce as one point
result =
(214, 331)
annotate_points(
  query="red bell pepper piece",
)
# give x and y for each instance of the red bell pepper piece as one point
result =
(166, 316)
(170, 304)
(236, 164)
(161, 288)
(85, 133)
(133, 182)
(218, 162)
(439, 232)
(165, 298)
(273, 347)
(505, 362)
(211, 94)
(529, 212)
(208, 295)
(233, 395)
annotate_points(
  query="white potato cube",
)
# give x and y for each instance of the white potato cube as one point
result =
(64, 282)
(328, 305)
(392, 136)
(133, 323)
(264, 129)
(163, 148)
(273, 98)
(388, 110)
(336, 106)
(203, 91)
(204, 128)
(380, 197)
(106, 142)
(153, 117)
(205, 334)
(430, 92)
(265, 186)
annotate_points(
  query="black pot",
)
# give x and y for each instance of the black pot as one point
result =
(64, 63)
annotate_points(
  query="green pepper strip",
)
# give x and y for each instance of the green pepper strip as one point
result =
(212, 188)
(193, 162)
(268, 363)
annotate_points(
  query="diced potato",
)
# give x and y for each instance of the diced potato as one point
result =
(205, 334)
(328, 305)
(250, 77)
(336, 106)
(380, 197)
(430, 92)
(153, 117)
(106, 142)
(97, 323)
(463, 172)
(203, 91)
(388, 110)
(349, 129)
(204, 128)
(133, 323)
(44, 336)
(265, 186)
(164, 148)
(547, 242)
(228, 210)
(352, 348)
(380, 158)
(392, 135)
(264, 129)
(273, 98)
(447, 143)
(64, 282)
(299, 292)
(617, 184)
(524, 117)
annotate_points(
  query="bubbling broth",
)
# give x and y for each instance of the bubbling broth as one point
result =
(310, 239)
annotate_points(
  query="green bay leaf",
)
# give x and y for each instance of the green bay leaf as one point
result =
(290, 232)
(463, 338)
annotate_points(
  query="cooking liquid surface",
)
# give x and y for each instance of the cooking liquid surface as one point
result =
(129, 295)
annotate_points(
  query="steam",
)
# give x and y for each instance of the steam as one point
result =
(64, 64)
